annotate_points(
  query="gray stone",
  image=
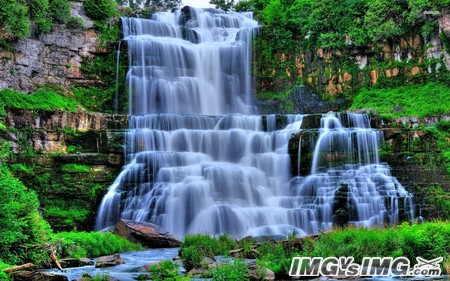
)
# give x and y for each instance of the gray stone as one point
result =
(108, 261)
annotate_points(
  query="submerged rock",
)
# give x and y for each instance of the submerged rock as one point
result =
(148, 234)
(37, 276)
(108, 261)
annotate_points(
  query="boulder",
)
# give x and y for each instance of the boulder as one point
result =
(108, 261)
(65, 263)
(37, 276)
(148, 234)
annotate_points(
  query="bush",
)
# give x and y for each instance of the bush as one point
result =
(60, 10)
(165, 270)
(75, 168)
(3, 276)
(40, 12)
(195, 247)
(92, 244)
(233, 271)
(14, 22)
(100, 9)
(75, 23)
(20, 222)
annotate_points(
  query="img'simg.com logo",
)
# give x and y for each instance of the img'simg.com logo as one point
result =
(370, 266)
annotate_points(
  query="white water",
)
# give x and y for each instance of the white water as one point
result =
(192, 168)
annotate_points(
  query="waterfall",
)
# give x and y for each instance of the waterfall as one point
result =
(199, 159)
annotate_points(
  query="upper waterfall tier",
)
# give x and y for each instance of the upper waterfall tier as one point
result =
(195, 63)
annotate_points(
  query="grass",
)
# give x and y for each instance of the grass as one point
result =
(428, 240)
(42, 99)
(430, 99)
(69, 217)
(92, 244)
(195, 247)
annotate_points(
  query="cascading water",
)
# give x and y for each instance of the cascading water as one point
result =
(192, 168)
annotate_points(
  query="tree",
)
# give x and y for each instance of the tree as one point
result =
(225, 5)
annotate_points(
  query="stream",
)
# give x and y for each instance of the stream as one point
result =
(129, 271)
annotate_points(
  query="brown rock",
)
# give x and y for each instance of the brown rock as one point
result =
(373, 76)
(415, 70)
(108, 261)
(148, 234)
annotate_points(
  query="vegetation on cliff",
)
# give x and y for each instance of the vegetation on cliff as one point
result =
(431, 99)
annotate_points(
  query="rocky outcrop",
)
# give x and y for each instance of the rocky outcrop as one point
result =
(37, 276)
(64, 155)
(52, 59)
(147, 234)
(330, 74)
(108, 261)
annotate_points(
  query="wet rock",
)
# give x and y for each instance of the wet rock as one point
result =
(197, 272)
(65, 263)
(37, 276)
(259, 274)
(108, 261)
(148, 234)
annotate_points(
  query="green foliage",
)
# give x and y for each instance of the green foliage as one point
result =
(14, 22)
(41, 99)
(431, 99)
(75, 168)
(60, 10)
(232, 271)
(165, 270)
(101, 97)
(3, 276)
(426, 240)
(197, 246)
(225, 5)
(40, 12)
(76, 23)
(92, 244)
(20, 222)
(441, 131)
(69, 218)
(100, 9)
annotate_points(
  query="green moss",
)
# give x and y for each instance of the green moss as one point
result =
(76, 23)
(75, 168)
(60, 10)
(41, 99)
(40, 12)
(431, 99)
(67, 217)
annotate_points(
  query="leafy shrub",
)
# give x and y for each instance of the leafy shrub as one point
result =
(197, 246)
(3, 276)
(92, 244)
(165, 270)
(40, 12)
(99, 9)
(75, 23)
(14, 22)
(20, 222)
(233, 271)
(60, 10)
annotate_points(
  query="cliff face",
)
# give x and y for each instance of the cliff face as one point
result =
(69, 158)
(338, 74)
(53, 59)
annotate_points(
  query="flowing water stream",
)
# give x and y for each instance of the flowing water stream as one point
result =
(199, 159)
